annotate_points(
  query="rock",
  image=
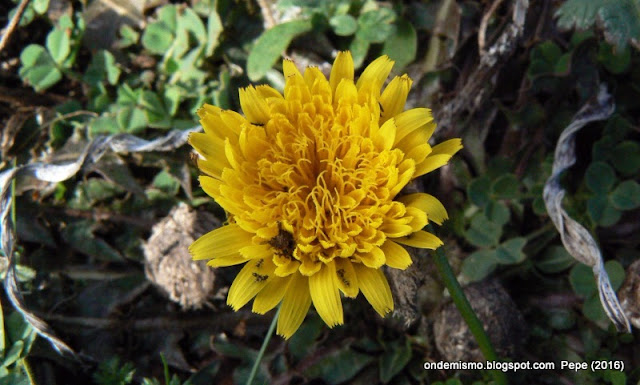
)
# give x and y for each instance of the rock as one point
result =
(499, 315)
(629, 294)
(168, 264)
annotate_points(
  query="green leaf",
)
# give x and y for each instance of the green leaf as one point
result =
(497, 212)
(621, 21)
(190, 21)
(14, 353)
(157, 38)
(214, 29)
(301, 343)
(554, 260)
(161, 34)
(58, 45)
(402, 45)
(506, 187)
(478, 191)
(338, 367)
(626, 157)
(600, 177)
(38, 67)
(103, 125)
(561, 319)
(171, 99)
(40, 6)
(128, 36)
(131, 119)
(376, 26)
(479, 264)
(343, 25)
(620, 18)
(271, 44)
(79, 236)
(3, 342)
(359, 48)
(510, 252)
(614, 61)
(581, 13)
(616, 273)
(602, 211)
(155, 110)
(582, 280)
(102, 67)
(626, 196)
(483, 232)
(19, 330)
(166, 182)
(395, 357)
(592, 309)
(543, 59)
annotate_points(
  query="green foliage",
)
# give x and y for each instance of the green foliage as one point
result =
(584, 284)
(16, 340)
(110, 372)
(271, 44)
(620, 19)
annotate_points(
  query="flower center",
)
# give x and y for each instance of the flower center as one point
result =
(323, 186)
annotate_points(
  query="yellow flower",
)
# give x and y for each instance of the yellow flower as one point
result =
(310, 181)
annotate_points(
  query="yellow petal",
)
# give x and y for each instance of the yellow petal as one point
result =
(270, 295)
(253, 277)
(206, 145)
(256, 251)
(375, 288)
(212, 187)
(448, 147)
(295, 306)
(227, 260)
(386, 135)
(323, 287)
(374, 75)
(411, 120)
(342, 69)
(213, 166)
(289, 69)
(268, 92)
(419, 153)
(223, 241)
(347, 278)
(208, 109)
(397, 256)
(318, 84)
(254, 106)
(431, 163)
(394, 96)
(287, 269)
(418, 219)
(374, 258)
(346, 93)
(427, 203)
(421, 239)
(395, 230)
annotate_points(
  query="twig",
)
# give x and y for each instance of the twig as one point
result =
(475, 91)
(224, 321)
(482, 31)
(267, 15)
(13, 23)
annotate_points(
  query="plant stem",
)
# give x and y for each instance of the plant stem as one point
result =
(267, 338)
(469, 316)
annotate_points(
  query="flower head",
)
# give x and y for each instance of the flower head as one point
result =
(310, 181)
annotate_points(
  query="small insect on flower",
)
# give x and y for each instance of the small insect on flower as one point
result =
(310, 180)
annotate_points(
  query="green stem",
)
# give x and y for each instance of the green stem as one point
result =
(267, 338)
(469, 316)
